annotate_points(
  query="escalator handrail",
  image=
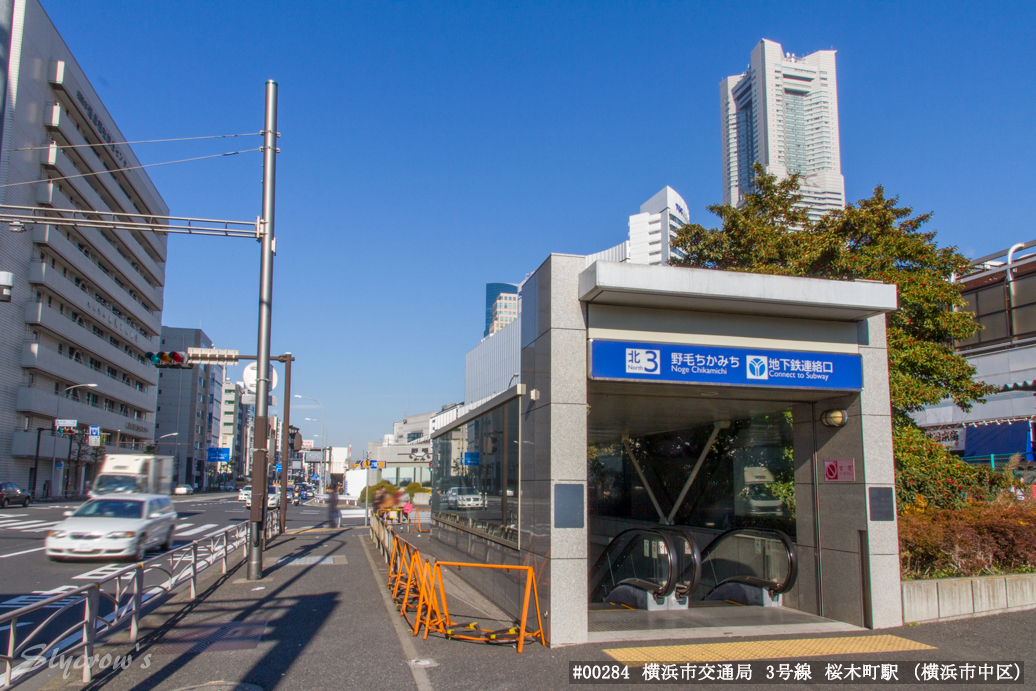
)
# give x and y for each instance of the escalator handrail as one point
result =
(696, 561)
(793, 559)
(666, 588)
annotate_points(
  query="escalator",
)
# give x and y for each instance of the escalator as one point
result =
(661, 568)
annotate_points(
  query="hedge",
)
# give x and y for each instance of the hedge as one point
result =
(977, 540)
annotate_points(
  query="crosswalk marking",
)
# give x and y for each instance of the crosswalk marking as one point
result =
(193, 531)
(23, 524)
(8, 516)
(42, 527)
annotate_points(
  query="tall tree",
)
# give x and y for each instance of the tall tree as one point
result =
(875, 239)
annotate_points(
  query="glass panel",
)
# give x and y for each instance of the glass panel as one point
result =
(1024, 319)
(994, 327)
(1023, 291)
(475, 474)
(991, 299)
(739, 555)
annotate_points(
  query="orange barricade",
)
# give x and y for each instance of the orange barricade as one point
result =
(417, 586)
(437, 614)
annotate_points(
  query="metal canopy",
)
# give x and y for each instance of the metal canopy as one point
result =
(706, 290)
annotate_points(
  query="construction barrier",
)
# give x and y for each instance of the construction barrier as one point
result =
(419, 592)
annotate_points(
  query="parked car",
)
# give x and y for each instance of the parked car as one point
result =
(114, 527)
(183, 489)
(11, 493)
(245, 493)
(465, 498)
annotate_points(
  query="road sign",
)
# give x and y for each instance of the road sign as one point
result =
(840, 470)
(277, 468)
(372, 464)
(217, 455)
(62, 424)
(307, 443)
(95, 436)
(216, 356)
(250, 375)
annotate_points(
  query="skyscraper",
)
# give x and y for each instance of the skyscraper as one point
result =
(782, 112)
(654, 228)
(493, 293)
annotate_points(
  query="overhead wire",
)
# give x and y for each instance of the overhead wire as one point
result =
(116, 170)
(141, 141)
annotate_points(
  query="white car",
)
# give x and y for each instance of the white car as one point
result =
(109, 527)
(245, 493)
(273, 500)
(183, 489)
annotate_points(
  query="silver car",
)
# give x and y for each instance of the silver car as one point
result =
(114, 527)
(465, 498)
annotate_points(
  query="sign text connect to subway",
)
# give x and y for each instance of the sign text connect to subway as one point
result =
(700, 364)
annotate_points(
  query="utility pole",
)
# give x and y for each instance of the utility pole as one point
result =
(262, 388)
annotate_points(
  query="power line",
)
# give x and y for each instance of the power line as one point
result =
(149, 165)
(141, 141)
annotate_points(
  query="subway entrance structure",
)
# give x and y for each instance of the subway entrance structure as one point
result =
(677, 451)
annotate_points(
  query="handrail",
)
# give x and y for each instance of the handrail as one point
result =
(127, 601)
(660, 532)
(768, 534)
(694, 566)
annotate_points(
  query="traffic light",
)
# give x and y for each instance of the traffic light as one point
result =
(295, 440)
(169, 359)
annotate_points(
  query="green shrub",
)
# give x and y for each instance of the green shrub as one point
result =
(976, 540)
(929, 476)
(384, 484)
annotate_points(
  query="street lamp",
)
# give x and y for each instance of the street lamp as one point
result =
(54, 446)
(323, 440)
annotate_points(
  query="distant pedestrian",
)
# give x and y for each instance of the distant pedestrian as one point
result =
(333, 514)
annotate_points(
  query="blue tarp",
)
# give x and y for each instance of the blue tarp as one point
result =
(1009, 438)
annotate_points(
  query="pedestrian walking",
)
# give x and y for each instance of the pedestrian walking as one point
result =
(333, 514)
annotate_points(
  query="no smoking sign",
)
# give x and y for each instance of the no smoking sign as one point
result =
(840, 470)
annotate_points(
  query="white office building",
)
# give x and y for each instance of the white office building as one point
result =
(86, 302)
(782, 112)
(653, 230)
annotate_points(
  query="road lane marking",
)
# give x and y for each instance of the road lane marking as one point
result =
(99, 573)
(193, 531)
(15, 554)
(12, 515)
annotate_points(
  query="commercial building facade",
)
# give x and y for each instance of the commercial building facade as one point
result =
(681, 439)
(782, 112)
(1002, 297)
(86, 302)
(652, 231)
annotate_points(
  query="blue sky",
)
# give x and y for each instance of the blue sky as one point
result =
(430, 148)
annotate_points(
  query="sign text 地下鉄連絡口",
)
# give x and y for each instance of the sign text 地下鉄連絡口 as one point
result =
(694, 364)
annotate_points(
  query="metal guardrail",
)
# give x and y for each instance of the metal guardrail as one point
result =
(1001, 461)
(123, 594)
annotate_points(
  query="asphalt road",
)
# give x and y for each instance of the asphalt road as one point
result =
(25, 569)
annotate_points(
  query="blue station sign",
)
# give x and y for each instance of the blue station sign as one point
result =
(695, 364)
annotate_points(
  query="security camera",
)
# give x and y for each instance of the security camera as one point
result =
(6, 283)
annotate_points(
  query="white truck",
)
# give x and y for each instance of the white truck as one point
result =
(139, 473)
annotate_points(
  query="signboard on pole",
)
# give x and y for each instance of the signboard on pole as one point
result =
(94, 439)
(307, 443)
(65, 424)
(218, 455)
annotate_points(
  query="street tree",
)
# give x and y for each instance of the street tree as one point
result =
(874, 239)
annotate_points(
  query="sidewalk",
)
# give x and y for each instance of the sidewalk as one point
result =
(326, 622)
